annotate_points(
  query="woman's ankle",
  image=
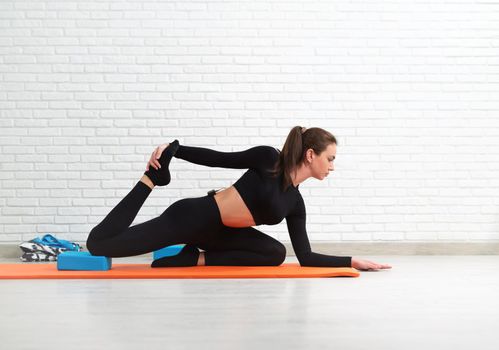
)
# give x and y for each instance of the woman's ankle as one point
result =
(201, 260)
(147, 181)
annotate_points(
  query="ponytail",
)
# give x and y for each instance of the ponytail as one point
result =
(299, 140)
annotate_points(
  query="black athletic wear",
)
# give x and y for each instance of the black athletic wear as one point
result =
(197, 221)
(264, 197)
(188, 256)
(193, 221)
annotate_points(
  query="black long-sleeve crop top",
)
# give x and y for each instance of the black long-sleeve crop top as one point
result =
(264, 197)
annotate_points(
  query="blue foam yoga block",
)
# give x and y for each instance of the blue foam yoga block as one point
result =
(167, 251)
(83, 261)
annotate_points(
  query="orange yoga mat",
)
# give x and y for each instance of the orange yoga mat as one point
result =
(144, 271)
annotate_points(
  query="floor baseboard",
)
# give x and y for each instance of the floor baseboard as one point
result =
(406, 248)
(361, 249)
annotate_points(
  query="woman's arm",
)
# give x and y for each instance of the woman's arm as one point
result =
(296, 222)
(301, 245)
(255, 157)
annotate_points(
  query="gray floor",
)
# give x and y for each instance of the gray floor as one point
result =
(432, 302)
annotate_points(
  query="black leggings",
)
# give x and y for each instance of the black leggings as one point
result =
(194, 221)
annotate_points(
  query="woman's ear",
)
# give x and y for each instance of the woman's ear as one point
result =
(309, 155)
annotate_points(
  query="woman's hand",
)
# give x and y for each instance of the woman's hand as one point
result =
(366, 265)
(156, 154)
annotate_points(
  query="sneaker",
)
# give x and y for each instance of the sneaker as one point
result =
(46, 248)
(33, 247)
(51, 241)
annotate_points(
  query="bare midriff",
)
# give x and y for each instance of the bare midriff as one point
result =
(233, 210)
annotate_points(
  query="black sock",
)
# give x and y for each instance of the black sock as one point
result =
(161, 177)
(188, 256)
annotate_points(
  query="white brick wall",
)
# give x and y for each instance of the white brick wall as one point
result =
(411, 89)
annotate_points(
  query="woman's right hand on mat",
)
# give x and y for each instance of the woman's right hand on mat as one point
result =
(366, 265)
(156, 154)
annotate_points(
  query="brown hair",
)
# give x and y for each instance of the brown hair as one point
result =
(299, 140)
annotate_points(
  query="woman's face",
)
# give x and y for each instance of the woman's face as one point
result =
(322, 164)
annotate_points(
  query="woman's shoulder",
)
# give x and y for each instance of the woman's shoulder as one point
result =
(272, 155)
(266, 148)
(267, 155)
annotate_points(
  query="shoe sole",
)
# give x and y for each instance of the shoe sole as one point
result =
(30, 257)
(30, 247)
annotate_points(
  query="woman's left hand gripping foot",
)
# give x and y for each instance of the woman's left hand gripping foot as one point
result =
(157, 167)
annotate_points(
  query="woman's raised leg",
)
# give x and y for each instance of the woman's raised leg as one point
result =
(121, 216)
(189, 220)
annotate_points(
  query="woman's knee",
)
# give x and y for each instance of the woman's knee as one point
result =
(278, 254)
(91, 246)
(92, 243)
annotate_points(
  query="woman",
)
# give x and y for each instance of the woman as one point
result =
(221, 222)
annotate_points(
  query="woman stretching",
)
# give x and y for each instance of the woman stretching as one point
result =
(220, 223)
